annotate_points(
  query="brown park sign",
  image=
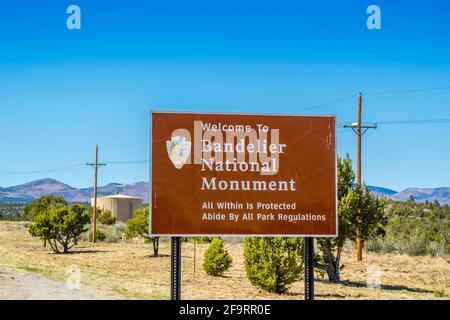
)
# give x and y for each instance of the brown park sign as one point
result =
(242, 174)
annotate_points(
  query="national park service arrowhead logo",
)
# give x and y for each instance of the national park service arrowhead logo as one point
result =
(178, 150)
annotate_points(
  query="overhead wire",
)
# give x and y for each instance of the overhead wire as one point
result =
(43, 171)
(395, 122)
(328, 103)
(408, 90)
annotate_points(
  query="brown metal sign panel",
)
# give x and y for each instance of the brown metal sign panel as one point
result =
(242, 174)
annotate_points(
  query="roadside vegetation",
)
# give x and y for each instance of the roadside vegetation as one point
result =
(270, 264)
(273, 263)
(60, 227)
(12, 211)
(125, 269)
(415, 229)
(217, 260)
(370, 221)
(138, 226)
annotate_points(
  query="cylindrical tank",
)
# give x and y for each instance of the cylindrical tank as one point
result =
(121, 206)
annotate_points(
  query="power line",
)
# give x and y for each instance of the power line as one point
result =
(408, 90)
(344, 130)
(414, 121)
(376, 93)
(43, 171)
(328, 103)
(124, 144)
(62, 154)
(71, 167)
(49, 156)
(127, 162)
(419, 121)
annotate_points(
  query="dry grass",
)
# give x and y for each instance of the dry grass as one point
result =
(127, 271)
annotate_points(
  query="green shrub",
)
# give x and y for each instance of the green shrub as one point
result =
(273, 263)
(13, 212)
(202, 240)
(415, 229)
(439, 293)
(437, 249)
(90, 213)
(100, 235)
(113, 233)
(61, 227)
(374, 245)
(138, 227)
(44, 203)
(106, 218)
(217, 259)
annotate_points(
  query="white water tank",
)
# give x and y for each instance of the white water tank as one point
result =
(121, 206)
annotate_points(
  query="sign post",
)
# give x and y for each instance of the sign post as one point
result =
(175, 269)
(308, 253)
(243, 175)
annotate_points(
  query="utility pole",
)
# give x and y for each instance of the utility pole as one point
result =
(359, 129)
(96, 166)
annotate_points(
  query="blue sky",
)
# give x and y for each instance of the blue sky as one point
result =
(62, 91)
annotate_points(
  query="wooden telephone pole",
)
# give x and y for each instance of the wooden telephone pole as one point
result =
(96, 166)
(359, 129)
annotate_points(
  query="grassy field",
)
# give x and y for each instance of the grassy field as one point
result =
(126, 270)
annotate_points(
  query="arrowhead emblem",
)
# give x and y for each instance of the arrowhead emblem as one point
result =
(178, 150)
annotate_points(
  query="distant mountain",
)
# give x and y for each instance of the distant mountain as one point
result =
(380, 191)
(442, 195)
(29, 191)
(421, 194)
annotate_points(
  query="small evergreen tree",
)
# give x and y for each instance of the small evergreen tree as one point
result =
(60, 227)
(43, 203)
(90, 212)
(352, 199)
(273, 263)
(217, 259)
(138, 227)
(202, 240)
(100, 236)
(106, 218)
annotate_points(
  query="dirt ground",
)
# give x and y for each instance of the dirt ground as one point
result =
(17, 285)
(125, 270)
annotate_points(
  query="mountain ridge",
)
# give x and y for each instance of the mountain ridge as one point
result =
(26, 192)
